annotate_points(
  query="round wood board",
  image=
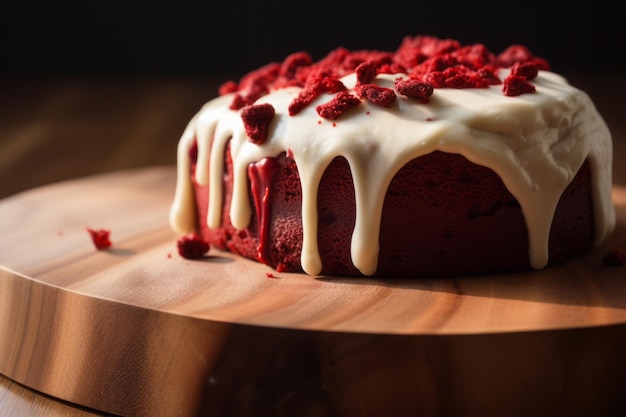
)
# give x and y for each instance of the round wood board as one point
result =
(138, 330)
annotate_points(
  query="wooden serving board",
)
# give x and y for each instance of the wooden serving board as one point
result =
(138, 330)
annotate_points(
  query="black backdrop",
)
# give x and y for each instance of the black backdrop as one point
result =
(184, 38)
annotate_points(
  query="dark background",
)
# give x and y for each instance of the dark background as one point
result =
(178, 38)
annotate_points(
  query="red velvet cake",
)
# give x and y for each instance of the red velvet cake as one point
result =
(435, 159)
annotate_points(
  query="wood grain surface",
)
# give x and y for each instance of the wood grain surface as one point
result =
(47, 241)
(136, 330)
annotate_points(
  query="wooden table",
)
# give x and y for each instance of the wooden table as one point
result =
(546, 351)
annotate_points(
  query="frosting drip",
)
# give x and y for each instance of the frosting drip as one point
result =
(535, 142)
(261, 175)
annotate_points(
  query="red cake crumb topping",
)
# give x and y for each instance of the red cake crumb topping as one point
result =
(342, 102)
(473, 56)
(100, 238)
(228, 87)
(414, 88)
(365, 72)
(527, 70)
(256, 120)
(463, 77)
(415, 50)
(376, 94)
(513, 54)
(239, 102)
(434, 62)
(489, 73)
(305, 97)
(520, 53)
(514, 85)
(614, 257)
(315, 85)
(192, 246)
(291, 64)
(436, 78)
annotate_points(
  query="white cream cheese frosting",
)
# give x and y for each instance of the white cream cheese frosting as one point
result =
(535, 142)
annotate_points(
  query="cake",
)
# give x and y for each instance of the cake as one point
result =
(436, 159)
